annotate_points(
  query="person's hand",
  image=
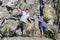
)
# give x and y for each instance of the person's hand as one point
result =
(17, 7)
(19, 10)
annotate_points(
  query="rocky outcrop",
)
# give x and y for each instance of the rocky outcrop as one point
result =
(26, 38)
(12, 20)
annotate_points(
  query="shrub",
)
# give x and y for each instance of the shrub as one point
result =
(7, 32)
(46, 19)
(53, 35)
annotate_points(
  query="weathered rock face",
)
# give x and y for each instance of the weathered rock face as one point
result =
(8, 20)
(33, 5)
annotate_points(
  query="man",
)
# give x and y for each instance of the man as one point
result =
(23, 19)
(43, 25)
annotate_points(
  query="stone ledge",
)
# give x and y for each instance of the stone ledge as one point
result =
(25, 38)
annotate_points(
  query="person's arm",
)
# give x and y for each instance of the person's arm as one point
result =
(29, 19)
(19, 11)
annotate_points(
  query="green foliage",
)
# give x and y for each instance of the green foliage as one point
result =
(30, 33)
(53, 35)
(57, 8)
(46, 19)
(7, 32)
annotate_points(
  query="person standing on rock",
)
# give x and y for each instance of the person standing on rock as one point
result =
(43, 25)
(23, 19)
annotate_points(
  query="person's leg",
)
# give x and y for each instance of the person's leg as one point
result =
(49, 29)
(21, 25)
(46, 28)
(41, 30)
(24, 28)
